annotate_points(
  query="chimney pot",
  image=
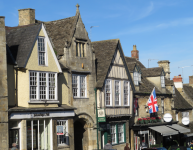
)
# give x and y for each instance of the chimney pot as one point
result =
(135, 52)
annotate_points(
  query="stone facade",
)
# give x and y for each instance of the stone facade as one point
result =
(3, 88)
(26, 16)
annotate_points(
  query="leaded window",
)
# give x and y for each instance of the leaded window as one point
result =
(126, 92)
(117, 93)
(75, 85)
(41, 51)
(42, 82)
(52, 85)
(33, 85)
(108, 92)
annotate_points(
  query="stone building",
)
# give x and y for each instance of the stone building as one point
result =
(38, 116)
(151, 128)
(114, 92)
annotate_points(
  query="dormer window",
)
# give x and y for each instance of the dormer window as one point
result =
(136, 78)
(41, 51)
(139, 75)
(162, 81)
(80, 49)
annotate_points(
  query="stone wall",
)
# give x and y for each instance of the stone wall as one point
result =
(3, 89)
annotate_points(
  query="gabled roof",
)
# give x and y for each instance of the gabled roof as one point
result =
(21, 40)
(131, 66)
(60, 31)
(132, 60)
(180, 102)
(189, 91)
(152, 72)
(104, 52)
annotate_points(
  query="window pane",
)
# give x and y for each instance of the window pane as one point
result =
(62, 139)
(126, 93)
(107, 92)
(136, 78)
(113, 133)
(121, 132)
(33, 85)
(82, 86)
(52, 86)
(42, 83)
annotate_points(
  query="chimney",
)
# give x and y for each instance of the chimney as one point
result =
(191, 81)
(26, 16)
(166, 66)
(135, 53)
(178, 81)
(3, 87)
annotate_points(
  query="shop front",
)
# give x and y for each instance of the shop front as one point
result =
(37, 130)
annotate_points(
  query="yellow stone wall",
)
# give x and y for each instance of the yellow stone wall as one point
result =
(23, 75)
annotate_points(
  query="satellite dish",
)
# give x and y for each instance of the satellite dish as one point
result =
(167, 117)
(185, 120)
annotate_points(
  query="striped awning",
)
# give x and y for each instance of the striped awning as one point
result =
(164, 130)
(179, 128)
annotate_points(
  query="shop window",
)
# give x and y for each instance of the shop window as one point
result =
(80, 49)
(126, 93)
(108, 93)
(43, 85)
(41, 51)
(62, 136)
(162, 81)
(118, 133)
(79, 86)
(39, 135)
(14, 137)
(117, 93)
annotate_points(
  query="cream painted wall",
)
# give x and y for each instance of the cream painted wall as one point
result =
(23, 75)
(155, 80)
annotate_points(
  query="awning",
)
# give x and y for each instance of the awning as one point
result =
(179, 128)
(164, 130)
(189, 135)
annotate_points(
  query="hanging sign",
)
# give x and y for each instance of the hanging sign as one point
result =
(167, 117)
(185, 120)
(59, 130)
(101, 115)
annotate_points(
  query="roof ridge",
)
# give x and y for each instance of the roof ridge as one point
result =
(59, 19)
(106, 40)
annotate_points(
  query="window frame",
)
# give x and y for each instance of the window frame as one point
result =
(136, 78)
(45, 52)
(128, 97)
(47, 86)
(119, 93)
(79, 86)
(110, 81)
(66, 134)
(162, 81)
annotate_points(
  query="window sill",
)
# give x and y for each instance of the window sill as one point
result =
(81, 98)
(43, 102)
(63, 146)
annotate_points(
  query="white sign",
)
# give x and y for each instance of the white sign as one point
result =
(48, 114)
(185, 120)
(167, 117)
(101, 113)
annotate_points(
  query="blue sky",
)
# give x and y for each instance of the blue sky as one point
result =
(161, 29)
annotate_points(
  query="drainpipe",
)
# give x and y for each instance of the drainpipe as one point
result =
(96, 117)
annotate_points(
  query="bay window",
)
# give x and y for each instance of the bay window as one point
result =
(79, 86)
(43, 85)
(117, 93)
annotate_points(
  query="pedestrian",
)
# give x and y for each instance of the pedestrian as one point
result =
(14, 146)
(191, 145)
(127, 147)
(108, 145)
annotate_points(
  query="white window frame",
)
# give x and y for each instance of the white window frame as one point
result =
(119, 92)
(123, 134)
(47, 86)
(45, 52)
(128, 97)
(66, 133)
(136, 78)
(79, 86)
(110, 92)
(162, 81)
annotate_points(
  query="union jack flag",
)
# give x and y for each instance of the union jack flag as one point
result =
(152, 102)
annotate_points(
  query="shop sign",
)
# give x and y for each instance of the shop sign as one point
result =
(185, 120)
(41, 114)
(101, 115)
(104, 127)
(59, 130)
